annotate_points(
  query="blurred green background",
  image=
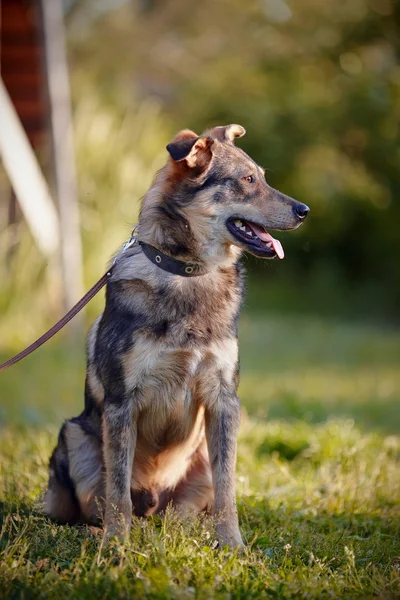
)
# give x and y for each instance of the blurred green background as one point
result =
(317, 87)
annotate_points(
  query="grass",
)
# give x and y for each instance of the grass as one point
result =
(318, 479)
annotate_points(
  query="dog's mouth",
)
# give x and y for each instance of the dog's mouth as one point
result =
(256, 239)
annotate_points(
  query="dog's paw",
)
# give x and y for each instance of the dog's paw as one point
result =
(230, 538)
(117, 529)
(94, 531)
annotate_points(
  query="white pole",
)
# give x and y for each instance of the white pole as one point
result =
(26, 178)
(63, 149)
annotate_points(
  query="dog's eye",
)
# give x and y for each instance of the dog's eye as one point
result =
(249, 179)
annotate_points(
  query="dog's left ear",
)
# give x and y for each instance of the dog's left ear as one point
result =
(228, 133)
(194, 150)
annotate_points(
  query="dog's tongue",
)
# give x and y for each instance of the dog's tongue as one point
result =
(266, 237)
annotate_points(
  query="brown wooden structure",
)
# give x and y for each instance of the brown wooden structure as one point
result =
(34, 94)
(22, 66)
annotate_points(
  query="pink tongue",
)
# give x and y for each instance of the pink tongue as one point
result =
(266, 237)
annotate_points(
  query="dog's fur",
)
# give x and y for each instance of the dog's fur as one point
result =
(161, 413)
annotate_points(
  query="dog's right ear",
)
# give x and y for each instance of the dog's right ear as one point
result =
(193, 150)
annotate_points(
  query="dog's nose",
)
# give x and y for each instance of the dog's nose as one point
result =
(301, 210)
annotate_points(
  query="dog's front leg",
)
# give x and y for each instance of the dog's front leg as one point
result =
(222, 425)
(119, 433)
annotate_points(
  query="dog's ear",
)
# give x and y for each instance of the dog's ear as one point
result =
(182, 144)
(228, 133)
(193, 150)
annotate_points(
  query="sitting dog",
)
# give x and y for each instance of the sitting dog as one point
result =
(161, 414)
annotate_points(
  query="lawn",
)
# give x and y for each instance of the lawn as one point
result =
(318, 478)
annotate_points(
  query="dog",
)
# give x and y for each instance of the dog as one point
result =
(161, 414)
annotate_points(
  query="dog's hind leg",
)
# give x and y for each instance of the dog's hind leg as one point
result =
(60, 502)
(76, 486)
(86, 470)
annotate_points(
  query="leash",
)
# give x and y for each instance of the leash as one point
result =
(72, 312)
(167, 263)
(60, 324)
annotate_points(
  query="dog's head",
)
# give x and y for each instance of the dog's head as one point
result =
(222, 198)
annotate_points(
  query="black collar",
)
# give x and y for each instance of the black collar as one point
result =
(172, 265)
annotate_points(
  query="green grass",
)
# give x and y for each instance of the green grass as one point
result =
(318, 479)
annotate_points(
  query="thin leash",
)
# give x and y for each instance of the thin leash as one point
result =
(73, 311)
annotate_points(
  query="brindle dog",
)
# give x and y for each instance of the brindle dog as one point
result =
(161, 413)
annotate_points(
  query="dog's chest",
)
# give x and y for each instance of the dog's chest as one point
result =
(177, 386)
(174, 371)
(168, 375)
(173, 382)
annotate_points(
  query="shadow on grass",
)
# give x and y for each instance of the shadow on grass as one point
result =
(295, 550)
(262, 525)
(16, 507)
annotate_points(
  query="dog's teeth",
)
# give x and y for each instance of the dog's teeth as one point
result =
(243, 227)
(269, 244)
(238, 223)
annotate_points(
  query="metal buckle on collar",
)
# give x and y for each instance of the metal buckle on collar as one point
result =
(131, 242)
